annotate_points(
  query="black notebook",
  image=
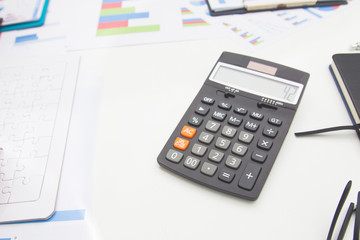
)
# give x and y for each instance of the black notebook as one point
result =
(346, 72)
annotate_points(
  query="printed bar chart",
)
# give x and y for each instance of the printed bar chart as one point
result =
(191, 22)
(116, 19)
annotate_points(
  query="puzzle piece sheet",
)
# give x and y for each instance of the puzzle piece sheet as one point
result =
(34, 96)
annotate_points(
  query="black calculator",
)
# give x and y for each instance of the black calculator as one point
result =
(231, 134)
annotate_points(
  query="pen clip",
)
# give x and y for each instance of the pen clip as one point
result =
(253, 5)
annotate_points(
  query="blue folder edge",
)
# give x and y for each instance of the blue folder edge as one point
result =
(28, 24)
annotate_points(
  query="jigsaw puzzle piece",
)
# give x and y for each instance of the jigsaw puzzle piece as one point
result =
(26, 189)
(31, 167)
(5, 190)
(8, 167)
(26, 149)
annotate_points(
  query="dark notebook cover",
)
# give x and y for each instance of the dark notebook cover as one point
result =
(346, 71)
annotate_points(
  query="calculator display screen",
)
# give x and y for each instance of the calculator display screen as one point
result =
(257, 83)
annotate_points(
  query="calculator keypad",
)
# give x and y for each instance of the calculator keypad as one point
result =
(226, 142)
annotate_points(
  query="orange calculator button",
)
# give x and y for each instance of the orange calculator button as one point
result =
(181, 144)
(188, 132)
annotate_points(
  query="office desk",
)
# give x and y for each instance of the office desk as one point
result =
(146, 91)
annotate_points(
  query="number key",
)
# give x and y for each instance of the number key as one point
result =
(191, 162)
(245, 137)
(239, 149)
(206, 138)
(216, 156)
(212, 126)
(222, 143)
(233, 162)
(228, 131)
(198, 150)
(174, 156)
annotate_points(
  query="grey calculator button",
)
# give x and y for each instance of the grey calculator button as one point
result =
(245, 137)
(226, 175)
(251, 126)
(174, 156)
(249, 176)
(233, 162)
(275, 121)
(239, 149)
(208, 169)
(259, 156)
(195, 120)
(228, 131)
(216, 156)
(191, 162)
(264, 143)
(202, 110)
(212, 126)
(225, 105)
(206, 137)
(219, 115)
(235, 121)
(208, 100)
(198, 150)
(257, 115)
(270, 132)
(222, 143)
(240, 110)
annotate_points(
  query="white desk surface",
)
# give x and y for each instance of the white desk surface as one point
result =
(146, 91)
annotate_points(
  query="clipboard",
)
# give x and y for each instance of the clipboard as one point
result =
(227, 7)
(27, 24)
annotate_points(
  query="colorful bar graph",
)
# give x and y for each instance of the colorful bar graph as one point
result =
(115, 19)
(235, 29)
(297, 19)
(256, 41)
(246, 35)
(111, 5)
(191, 22)
(26, 38)
(250, 37)
(299, 22)
(194, 22)
(185, 11)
